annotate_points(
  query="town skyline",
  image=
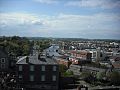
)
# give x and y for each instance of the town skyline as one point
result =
(91, 19)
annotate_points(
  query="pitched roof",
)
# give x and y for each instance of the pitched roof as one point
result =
(35, 60)
(116, 64)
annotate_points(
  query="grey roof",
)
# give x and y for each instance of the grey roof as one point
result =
(53, 48)
(53, 54)
(87, 68)
(93, 68)
(51, 51)
(35, 60)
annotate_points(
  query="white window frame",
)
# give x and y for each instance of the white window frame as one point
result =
(31, 77)
(43, 68)
(54, 68)
(31, 67)
(20, 67)
(54, 78)
(43, 78)
(2, 60)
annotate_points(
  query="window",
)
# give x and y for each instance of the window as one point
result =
(31, 67)
(54, 68)
(20, 67)
(2, 60)
(43, 68)
(2, 65)
(54, 77)
(31, 78)
(43, 78)
(20, 76)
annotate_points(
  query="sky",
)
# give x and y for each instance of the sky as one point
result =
(92, 19)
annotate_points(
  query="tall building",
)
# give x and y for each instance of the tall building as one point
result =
(38, 73)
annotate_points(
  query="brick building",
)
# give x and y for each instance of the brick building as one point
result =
(38, 73)
(86, 55)
(64, 60)
(80, 57)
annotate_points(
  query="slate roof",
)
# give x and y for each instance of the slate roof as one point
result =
(116, 64)
(35, 60)
(53, 54)
(51, 51)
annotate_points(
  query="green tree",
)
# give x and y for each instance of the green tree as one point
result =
(85, 75)
(68, 73)
(100, 75)
(15, 45)
(62, 69)
(114, 77)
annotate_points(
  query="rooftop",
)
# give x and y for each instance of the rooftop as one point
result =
(35, 60)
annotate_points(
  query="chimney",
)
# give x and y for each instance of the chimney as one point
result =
(39, 56)
(27, 59)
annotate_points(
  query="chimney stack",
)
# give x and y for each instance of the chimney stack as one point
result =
(27, 59)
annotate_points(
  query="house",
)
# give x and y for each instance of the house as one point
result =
(78, 68)
(64, 60)
(78, 61)
(115, 61)
(38, 73)
(4, 62)
(82, 54)
(97, 54)
(80, 57)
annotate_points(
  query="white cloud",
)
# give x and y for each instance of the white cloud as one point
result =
(107, 4)
(82, 22)
(61, 25)
(12, 19)
(47, 1)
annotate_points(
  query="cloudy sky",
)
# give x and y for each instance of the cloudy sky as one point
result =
(98, 19)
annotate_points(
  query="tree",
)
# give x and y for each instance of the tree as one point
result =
(68, 73)
(100, 75)
(87, 76)
(18, 46)
(62, 69)
(114, 77)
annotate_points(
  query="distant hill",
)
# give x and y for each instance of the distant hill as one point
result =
(71, 39)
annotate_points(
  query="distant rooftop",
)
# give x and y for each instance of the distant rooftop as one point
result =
(53, 51)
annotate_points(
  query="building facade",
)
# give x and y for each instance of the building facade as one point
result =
(4, 62)
(38, 74)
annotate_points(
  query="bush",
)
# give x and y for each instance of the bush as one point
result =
(68, 73)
